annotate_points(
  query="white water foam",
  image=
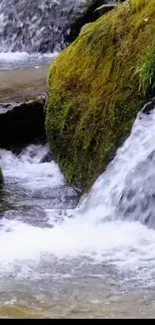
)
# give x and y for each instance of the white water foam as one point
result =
(16, 60)
(123, 243)
(27, 170)
(107, 190)
(127, 245)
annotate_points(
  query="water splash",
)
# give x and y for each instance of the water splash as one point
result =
(35, 27)
(98, 232)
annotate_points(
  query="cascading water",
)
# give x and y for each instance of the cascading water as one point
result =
(60, 257)
(128, 183)
(36, 26)
(50, 247)
(31, 30)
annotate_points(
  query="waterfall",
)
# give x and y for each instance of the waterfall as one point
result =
(37, 26)
(111, 225)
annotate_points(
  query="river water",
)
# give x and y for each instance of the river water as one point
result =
(62, 255)
(21, 60)
(65, 257)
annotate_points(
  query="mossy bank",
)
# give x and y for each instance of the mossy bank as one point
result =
(95, 90)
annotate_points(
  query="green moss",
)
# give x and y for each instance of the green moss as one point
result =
(94, 90)
(147, 73)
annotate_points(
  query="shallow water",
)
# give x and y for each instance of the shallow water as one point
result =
(22, 60)
(61, 258)
(22, 84)
(23, 76)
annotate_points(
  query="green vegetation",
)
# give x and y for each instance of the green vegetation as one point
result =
(147, 73)
(94, 89)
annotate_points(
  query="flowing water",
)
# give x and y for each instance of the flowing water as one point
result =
(21, 60)
(37, 26)
(61, 256)
(30, 31)
(33, 31)
(92, 258)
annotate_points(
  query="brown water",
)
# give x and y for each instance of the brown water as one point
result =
(105, 304)
(22, 84)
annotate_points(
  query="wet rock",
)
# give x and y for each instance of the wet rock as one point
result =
(70, 134)
(148, 107)
(47, 158)
(82, 18)
(22, 123)
(103, 9)
(90, 13)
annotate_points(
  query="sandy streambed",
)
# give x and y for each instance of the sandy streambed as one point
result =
(22, 84)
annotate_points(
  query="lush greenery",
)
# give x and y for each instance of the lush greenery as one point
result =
(147, 73)
(96, 87)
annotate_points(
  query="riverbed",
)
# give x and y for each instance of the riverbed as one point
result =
(22, 84)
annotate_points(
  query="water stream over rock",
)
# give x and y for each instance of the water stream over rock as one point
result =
(61, 256)
(56, 253)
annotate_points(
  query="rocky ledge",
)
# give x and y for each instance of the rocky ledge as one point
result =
(21, 123)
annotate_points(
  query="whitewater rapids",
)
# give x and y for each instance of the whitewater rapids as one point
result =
(65, 234)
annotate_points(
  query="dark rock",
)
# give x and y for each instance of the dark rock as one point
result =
(103, 9)
(47, 158)
(90, 13)
(22, 123)
(84, 17)
(148, 107)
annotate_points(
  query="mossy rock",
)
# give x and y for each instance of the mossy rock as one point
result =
(94, 90)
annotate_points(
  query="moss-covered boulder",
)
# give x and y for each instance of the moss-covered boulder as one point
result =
(95, 90)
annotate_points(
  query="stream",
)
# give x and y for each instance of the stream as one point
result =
(65, 257)
(62, 255)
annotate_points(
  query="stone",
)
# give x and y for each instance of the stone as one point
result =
(100, 11)
(22, 123)
(94, 91)
(148, 107)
